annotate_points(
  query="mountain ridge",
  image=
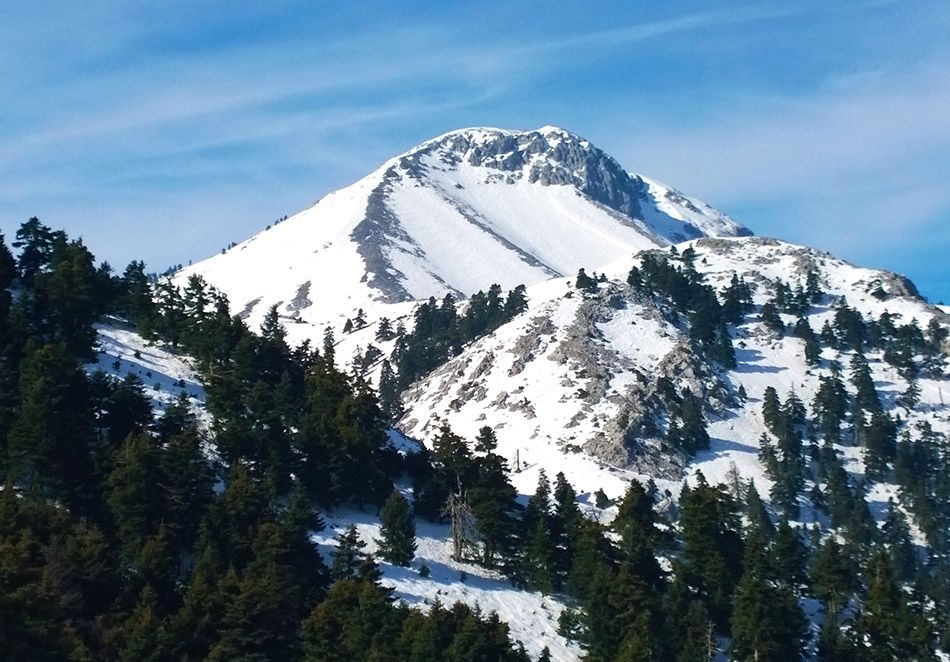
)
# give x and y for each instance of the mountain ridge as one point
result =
(450, 216)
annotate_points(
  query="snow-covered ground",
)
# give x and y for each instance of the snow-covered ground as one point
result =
(454, 214)
(531, 616)
(517, 381)
(165, 374)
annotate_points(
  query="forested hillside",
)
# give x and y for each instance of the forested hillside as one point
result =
(130, 531)
(121, 538)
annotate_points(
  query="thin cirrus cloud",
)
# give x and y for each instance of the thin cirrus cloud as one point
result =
(861, 167)
(193, 128)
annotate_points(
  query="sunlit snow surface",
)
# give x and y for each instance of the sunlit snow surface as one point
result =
(456, 227)
(165, 374)
(544, 422)
(531, 616)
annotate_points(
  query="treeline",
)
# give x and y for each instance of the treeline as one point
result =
(682, 285)
(439, 331)
(123, 535)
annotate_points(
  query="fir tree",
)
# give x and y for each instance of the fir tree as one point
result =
(712, 549)
(584, 282)
(398, 528)
(767, 623)
(636, 523)
(789, 557)
(348, 555)
(538, 558)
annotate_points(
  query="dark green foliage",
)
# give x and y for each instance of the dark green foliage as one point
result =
(50, 443)
(584, 282)
(398, 528)
(766, 623)
(357, 621)
(491, 498)
(889, 626)
(37, 245)
(736, 300)
(708, 319)
(8, 270)
(538, 560)
(439, 332)
(687, 428)
(711, 560)
(771, 318)
(135, 300)
(760, 523)
(832, 575)
(788, 555)
(895, 534)
(636, 523)
(389, 403)
(849, 327)
(348, 557)
(114, 544)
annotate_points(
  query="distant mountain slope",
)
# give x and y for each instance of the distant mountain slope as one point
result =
(573, 384)
(454, 215)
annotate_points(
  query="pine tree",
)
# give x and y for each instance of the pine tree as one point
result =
(759, 521)
(492, 499)
(538, 559)
(398, 528)
(832, 575)
(887, 628)
(771, 318)
(771, 409)
(712, 549)
(636, 523)
(389, 402)
(133, 500)
(384, 330)
(37, 244)
(140, 632)
(789, 557)
(187, 483)
(348, 555)
(895, 534)
(767, 623)
(50, 441)
(515, 303)
(565, 525)
(8, 270)
(584, 282)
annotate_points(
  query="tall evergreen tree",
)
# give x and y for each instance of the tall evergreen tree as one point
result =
(398, 528)
(767, 623)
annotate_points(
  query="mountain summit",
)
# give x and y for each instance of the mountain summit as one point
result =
(453, 215)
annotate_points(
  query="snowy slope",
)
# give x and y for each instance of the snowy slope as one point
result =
(531, 616)
(561, 382)
(164, 374)
(454, 215)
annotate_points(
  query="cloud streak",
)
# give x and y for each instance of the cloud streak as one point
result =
(224, 123)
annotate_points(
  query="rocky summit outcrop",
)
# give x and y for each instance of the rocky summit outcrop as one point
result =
(452, 216)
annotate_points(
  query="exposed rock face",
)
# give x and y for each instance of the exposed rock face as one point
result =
(454, 215)
(565, 159)
(548, 157)
(613, 407)
(593, 377)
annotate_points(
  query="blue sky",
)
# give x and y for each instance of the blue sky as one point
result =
(165, 130)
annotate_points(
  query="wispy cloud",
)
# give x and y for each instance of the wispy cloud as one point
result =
(214, 120)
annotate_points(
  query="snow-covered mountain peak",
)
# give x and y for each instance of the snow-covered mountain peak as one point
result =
(548, 156)
(454, 215)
